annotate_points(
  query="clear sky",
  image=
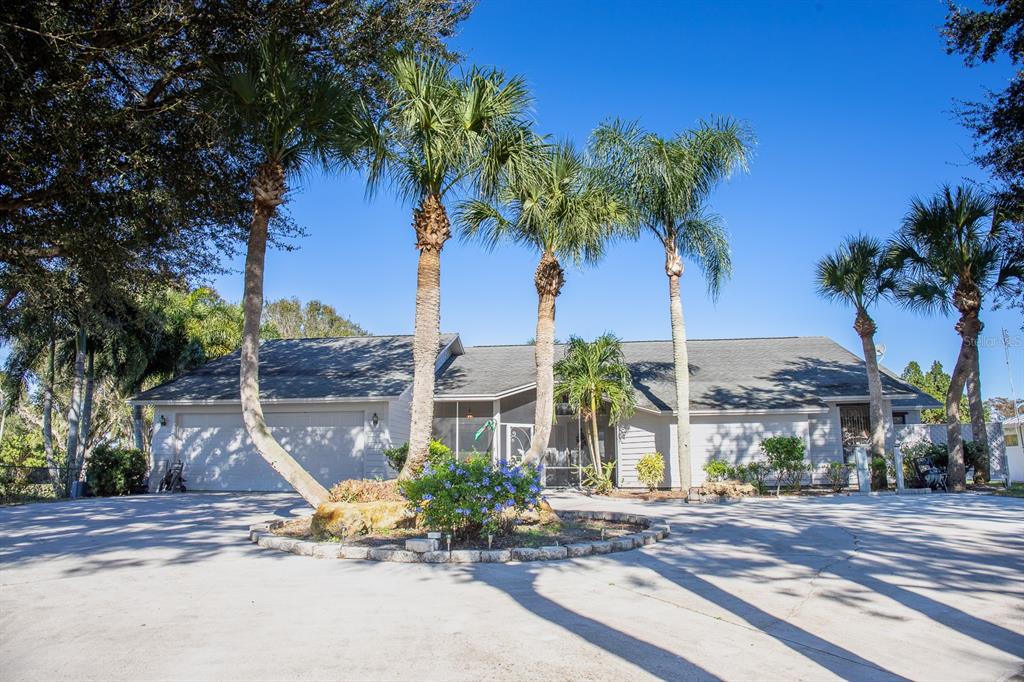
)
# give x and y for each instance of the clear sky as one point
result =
(851, 104)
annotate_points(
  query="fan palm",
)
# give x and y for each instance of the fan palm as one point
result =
(952, 253)
(443, 134)
(595, 375)
(669, 182)
(859, 274)
(564, 210)
(296, 115)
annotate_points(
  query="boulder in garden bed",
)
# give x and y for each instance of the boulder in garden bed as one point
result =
(347, 519)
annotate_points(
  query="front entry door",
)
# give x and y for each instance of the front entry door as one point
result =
(517, 442)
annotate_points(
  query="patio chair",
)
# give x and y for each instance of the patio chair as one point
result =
(173, 480)
(932, 476)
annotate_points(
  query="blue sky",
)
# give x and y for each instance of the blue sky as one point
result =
(851, 104)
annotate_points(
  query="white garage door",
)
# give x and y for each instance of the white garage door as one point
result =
(737, 442)
(219, 455)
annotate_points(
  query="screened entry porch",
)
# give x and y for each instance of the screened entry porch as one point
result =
(503, 430)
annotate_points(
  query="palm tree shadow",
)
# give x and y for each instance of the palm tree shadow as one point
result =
(519, 583)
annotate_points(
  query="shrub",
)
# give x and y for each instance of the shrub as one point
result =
(719, 470)
(651, 470)
(785, 455)
(879, 480)
(472, 497)
(754, 473)
(837, 474)
(437, 452)
(363, 490)
(116, 471)
(598, 481)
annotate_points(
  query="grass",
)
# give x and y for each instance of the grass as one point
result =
(1015, 490)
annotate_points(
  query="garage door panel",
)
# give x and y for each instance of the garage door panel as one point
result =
(737, 442)
(220, 456)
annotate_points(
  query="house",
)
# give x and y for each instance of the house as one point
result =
(336, 404)
(1013, 428)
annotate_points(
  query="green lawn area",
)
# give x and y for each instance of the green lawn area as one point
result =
(1015, 490)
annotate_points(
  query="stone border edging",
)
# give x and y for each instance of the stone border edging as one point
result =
(260, 534)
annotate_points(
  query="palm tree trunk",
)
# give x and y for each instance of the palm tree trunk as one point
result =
(51, 463)
(86, 420)
(74, 406)
(548, 279)
(137, 423)
(595, 439)
(865, 328)
(432, 231)
(977, 409)
(674, 270)
(268, 194)
(968, 328)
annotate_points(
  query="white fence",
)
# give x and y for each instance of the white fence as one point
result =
(936, 433)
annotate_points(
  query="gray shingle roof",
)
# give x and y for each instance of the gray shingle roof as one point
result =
(765, 373)
(296, 369)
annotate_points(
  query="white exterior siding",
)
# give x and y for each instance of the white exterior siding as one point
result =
(736, 439)
(826, 440)
(643, 434)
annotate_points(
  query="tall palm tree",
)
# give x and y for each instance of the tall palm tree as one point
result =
(669, 181)
(952, 254)
(565, 210)
(859, 274)
(592, 376)
(297, 116)
(443, 134)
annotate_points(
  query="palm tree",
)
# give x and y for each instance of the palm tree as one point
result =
(859, 274)
(669, 181)
(565, 210)
(296, 115)
(443, 134)
(591, 376)
(952, 254)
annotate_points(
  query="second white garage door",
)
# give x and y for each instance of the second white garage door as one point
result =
(219, 455)
(738, 441)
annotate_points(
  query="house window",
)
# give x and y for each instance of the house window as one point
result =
(1011, 440)
(899, 418)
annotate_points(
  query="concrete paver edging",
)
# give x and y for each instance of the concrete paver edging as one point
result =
(262, 535)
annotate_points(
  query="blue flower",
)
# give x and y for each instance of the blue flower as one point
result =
(486, 481)
(428, 497)
(510, 503)
(534, 489)
(462, 511)
(451, 466)
(484, 509)
(448, 485)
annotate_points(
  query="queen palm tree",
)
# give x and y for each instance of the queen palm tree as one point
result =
(952, 253)
(565, 210)
(669, 182)
(592, 376)
(443, 134)
(297, 116)
(859, 274)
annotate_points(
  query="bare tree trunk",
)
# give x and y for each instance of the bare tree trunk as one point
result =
(548, 279)
(865, 328)
(137, 423)
(954, 438)
(85, 425)
(977, 409)
(74, 406)
(432, 230)
(268, 193)
(674, 270)
(51, 462)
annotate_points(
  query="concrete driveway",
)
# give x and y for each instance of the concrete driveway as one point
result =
(167, 588)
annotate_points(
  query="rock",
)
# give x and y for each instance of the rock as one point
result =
(327, 550)
(303, 548)
(601, 547)
(464, 556)
(495, 556)
(436, 557)
(728, 489)
(650, 536)
(544, 513)
(622, 544)
(354, 552)
(399, 555)
(421, 545)
(552, 552)
(346, 519)
(579, 549)
(525, 554)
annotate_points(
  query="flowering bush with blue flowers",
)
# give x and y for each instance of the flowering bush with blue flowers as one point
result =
(472, 497)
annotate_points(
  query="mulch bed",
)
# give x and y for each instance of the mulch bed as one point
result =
(566, 532)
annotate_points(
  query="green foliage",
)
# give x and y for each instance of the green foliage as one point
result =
(288, 318)
(599, 480)
(116, 471)
(22, 447)
(437, 453)
(936, 384)
(719, 470)
(837, 475)
(650, 470)
(472, 497)
(755, 473)
(785, 458)
(858, 273)
(879, 473)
